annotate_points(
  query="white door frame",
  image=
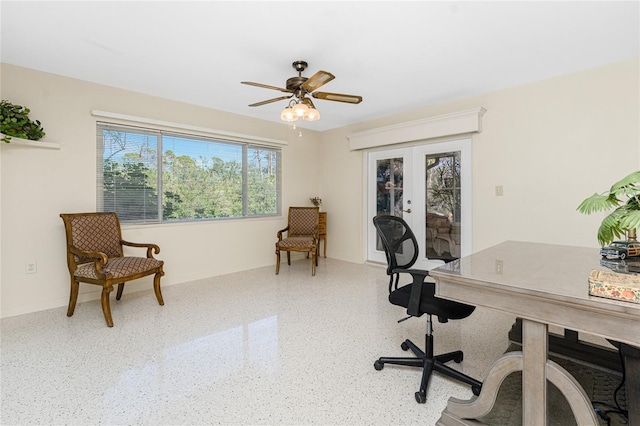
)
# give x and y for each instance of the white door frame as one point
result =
(414, 190)
(370, 179)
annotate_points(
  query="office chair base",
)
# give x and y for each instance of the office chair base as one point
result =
(429, 363)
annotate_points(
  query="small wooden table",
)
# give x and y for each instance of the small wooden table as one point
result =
(322, 231)
(544, 285)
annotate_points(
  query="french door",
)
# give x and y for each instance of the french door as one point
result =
(429, 186)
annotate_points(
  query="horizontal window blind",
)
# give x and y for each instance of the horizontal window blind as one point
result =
(151, 176)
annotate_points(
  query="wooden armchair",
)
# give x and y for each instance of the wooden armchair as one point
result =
(95, 256)
(302, 235)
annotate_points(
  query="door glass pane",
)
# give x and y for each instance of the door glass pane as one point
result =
(389, 186)
(443, 202)
(389, 189)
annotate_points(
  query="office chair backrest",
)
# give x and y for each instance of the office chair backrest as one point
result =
(399, 242)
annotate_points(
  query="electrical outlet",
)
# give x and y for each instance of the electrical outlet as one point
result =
(499, 267)
(499, 191)
(30, 267)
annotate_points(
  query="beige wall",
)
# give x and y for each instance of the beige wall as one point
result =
(550, 144)
(39, 184)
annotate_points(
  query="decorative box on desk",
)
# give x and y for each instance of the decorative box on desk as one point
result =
(614, 285)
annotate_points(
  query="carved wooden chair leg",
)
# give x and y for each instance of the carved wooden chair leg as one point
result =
(277, 261)
(314, 259)
(288, 258)
(106, 308)
(73, 297)
(119, 292)
(156, 287)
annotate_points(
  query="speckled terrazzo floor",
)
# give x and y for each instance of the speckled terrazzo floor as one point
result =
(246, 348)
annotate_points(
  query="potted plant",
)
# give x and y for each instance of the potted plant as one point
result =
(624, 198)
(14, 121)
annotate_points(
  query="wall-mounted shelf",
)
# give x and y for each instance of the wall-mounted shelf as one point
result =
(25, 142)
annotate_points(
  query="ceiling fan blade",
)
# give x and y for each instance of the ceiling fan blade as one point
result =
(308, 102)
(266, 86)
(315, 81)
(270, 100)
(339, 97)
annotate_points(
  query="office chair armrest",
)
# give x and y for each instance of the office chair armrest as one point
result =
(417, 272)
(418, 275)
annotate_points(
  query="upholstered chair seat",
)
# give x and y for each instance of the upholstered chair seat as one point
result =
(119, 267)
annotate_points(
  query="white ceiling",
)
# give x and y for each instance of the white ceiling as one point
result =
(397, 55)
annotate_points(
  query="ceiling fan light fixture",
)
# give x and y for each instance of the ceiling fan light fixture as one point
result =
(300, 109)
(288, 115)
(300, 90)
(312, 115)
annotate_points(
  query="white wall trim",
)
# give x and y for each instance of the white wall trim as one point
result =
(216, 133)
(27, 142)
(457, 123)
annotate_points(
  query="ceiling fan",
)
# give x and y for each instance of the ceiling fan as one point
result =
(299, 88)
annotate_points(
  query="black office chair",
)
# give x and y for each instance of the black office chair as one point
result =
(401, 249)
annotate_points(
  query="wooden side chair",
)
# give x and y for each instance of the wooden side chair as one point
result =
(302, 235)
(95, 256)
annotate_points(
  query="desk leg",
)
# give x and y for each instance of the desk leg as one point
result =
(535, 346)
(536, 370)
(632, 365)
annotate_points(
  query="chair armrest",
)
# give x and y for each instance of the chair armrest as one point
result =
(151, 248)
(280, 233)
(100, 259)
(92, 254)
(418, 275)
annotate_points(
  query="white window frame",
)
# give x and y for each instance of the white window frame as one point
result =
(245, 143)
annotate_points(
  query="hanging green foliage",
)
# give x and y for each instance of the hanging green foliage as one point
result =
(14, 121)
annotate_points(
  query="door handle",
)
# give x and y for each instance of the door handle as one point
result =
(407, 211)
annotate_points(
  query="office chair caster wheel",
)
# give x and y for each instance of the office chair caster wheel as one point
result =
(378, 365)
(421, 399)
(404, 346)
(476, 390)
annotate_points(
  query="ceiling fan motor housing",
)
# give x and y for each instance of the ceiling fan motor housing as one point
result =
(294, 83)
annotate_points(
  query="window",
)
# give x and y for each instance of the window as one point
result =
(195, 178)
(443, 205)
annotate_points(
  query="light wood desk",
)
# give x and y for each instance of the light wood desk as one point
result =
(544, 285)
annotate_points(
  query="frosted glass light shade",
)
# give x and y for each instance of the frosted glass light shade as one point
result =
(300, 109)
(288, 115)
(312, 115)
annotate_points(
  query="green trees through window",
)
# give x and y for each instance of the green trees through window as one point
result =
(195, 178)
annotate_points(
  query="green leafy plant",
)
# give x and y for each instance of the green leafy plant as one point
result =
(14, 121)
(624, 198)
